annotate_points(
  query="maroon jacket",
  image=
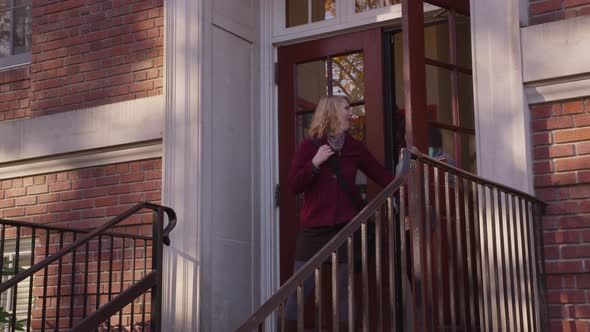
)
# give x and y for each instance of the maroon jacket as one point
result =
(325, 202)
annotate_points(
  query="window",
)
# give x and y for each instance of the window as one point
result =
(22, 290)
(15, 32)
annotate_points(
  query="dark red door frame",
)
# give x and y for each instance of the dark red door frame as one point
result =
(415, 66)
(370, 43)
(461, 6)
(414, 74)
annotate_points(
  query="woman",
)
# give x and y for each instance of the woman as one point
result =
(327, 204)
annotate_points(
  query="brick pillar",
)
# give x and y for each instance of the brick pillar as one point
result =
(561, 138)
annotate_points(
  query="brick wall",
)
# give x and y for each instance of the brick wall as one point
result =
(87, 53)
(542, 11)
(85, 198)
(561, 138)
(15, 93)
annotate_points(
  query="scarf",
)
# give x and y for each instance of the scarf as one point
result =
(336, 142)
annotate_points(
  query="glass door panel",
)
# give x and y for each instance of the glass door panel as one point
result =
(348, 65)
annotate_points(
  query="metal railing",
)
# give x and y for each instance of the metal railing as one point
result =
(450, 251)
(80, 280)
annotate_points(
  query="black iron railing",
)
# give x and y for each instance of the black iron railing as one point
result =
(450, 251)
(81, 280)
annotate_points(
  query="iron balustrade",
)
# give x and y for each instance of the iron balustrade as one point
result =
(80, 280)
(452, 251)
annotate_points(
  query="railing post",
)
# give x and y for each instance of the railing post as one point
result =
(157, 257)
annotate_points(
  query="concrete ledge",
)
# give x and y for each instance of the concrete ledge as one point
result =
(557, 91)
(86, 129)
(556, 49)
(80, 160)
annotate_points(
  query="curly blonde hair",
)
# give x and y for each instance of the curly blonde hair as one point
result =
(325, 119)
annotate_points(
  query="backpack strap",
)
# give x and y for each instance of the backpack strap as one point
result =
(335, 167)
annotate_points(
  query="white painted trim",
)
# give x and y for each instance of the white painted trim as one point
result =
(92, 128)
(182, 176)
(558, 91)
(269, 218)
(499, 95)
(81, 160)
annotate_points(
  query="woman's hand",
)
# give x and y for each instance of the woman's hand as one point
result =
(324, 152)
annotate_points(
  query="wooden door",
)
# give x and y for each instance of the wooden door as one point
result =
(348, 65)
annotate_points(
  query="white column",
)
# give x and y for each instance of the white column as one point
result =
(183, 164)
(501, 113)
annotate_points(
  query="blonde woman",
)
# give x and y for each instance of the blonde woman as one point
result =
(330, 200)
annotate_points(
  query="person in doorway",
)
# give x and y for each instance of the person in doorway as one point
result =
(330, 200)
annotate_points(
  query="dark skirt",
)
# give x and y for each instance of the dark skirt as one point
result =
(311, 239)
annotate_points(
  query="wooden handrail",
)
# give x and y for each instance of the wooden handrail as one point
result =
(452, 169)
(298, 277)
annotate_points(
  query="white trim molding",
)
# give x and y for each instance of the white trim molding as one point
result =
(499, 94)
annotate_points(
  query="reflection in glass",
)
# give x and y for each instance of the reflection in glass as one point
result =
(303, 123)
(366, 5)
(441, 145)
(348, 76)
(438, 92)
(463, 41)
(4, 4)
(18, 3)
(322, 10)
(466, 100)
(22, 30)
(468, 154)
(5, 33)
(297, 12)
(436, 41)
(357, 126)
(311, 84)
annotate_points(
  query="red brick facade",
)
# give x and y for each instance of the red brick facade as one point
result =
(85, 198)
(87, 53)
(543, 11)
(561, 138)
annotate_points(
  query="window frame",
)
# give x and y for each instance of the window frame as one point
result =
(346, 18)
(15, 60)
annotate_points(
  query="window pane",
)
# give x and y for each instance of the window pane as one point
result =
(297, 12)
(438, 92)
(366, 5)
(18, 3)
(441, 145)
(323, 10)
(357, 126)
(348, 76)
(5, 33)
(468, 153)
(311, 84)
(4, 5)
(463, 41)
(466, 111)
(437, 42)
(22, 30)
(303, 122)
